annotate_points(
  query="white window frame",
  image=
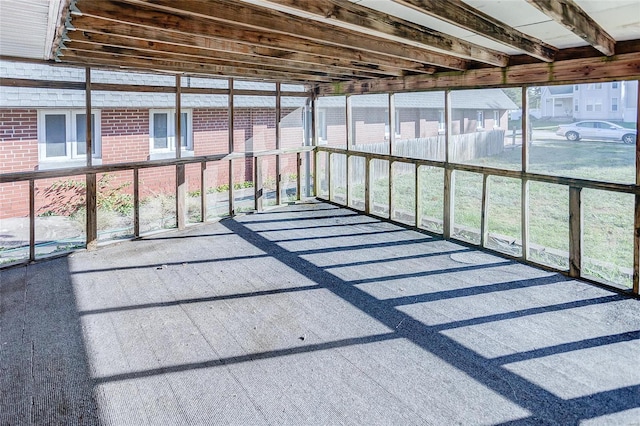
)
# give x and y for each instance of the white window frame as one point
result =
(496, 119)
(597, 106)
(614, 104)
(590, 103)
(71, 158)
(169, 151)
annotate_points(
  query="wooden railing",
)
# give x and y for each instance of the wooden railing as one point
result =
(91, 172)
(575, 201)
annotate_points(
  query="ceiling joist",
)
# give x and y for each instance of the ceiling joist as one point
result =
(252, 26)
(572, 16)
(458, 13)
(149, 63)
(135, 47)
(352, 16)
(346, 58)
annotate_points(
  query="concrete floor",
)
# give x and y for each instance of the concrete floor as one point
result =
(310, 314)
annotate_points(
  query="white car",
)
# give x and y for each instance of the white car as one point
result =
(594, 129)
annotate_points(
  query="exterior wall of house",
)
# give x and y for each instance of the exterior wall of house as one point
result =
(595, 101)
(613, 101)
(125, 138)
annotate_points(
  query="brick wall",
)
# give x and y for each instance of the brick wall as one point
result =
(18, 140)
(125, 138)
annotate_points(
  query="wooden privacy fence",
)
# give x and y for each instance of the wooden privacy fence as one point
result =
(465, 147)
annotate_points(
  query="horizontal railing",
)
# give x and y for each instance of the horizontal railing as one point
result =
(181, 189)
(575, 207)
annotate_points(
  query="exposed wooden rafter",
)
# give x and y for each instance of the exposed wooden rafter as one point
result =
(234, 21)
(458, 13)
(352, 16)
(572, 16)
(135, 48)
(150, 63)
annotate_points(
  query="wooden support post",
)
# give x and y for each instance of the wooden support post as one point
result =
(329, 180)
(447, 217)
(32, 220)
(448, 126)
(392, 123)
(575, 231)
(484, 215)
(88, 122)
(92, 211)
(178, 119)
(636, 222)
(203, 192)
(367, 185)
(232, 201)
(525, 219)
(525, 129)
(348, 115)
(257, 183)
(136, 203)
(418, 191)
(636, 246)
(392, 142)
(278, 143)
(390, 200)
(524, 197)
(348, 201)
(181, 197)
(298, 178)
(314, 142)
(316, 173)
(231, 118)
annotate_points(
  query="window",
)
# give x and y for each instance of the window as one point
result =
(441, 123)
(614, 104)
(614, 85)
(576, 105)
(598, 105)
(496, 119)
(62, 137)
(480, 120)
(598, 85)
(162, 133)
(576, 87)
(590, 104)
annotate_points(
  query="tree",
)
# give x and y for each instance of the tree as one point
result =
(515, 94)
(534, 94)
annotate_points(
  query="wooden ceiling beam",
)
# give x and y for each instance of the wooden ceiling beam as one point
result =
(236, 21)
(352, 16)
(225, 38)
(96, 26)
(141, 63)
(572, 71)
(458, 13)
(193, 62)
(114, 43)
(573, 17)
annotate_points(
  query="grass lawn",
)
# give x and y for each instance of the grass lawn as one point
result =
(607, 216)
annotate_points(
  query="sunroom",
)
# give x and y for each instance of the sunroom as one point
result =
(319, 212)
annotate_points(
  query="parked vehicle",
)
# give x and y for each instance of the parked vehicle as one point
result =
(599, 130)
